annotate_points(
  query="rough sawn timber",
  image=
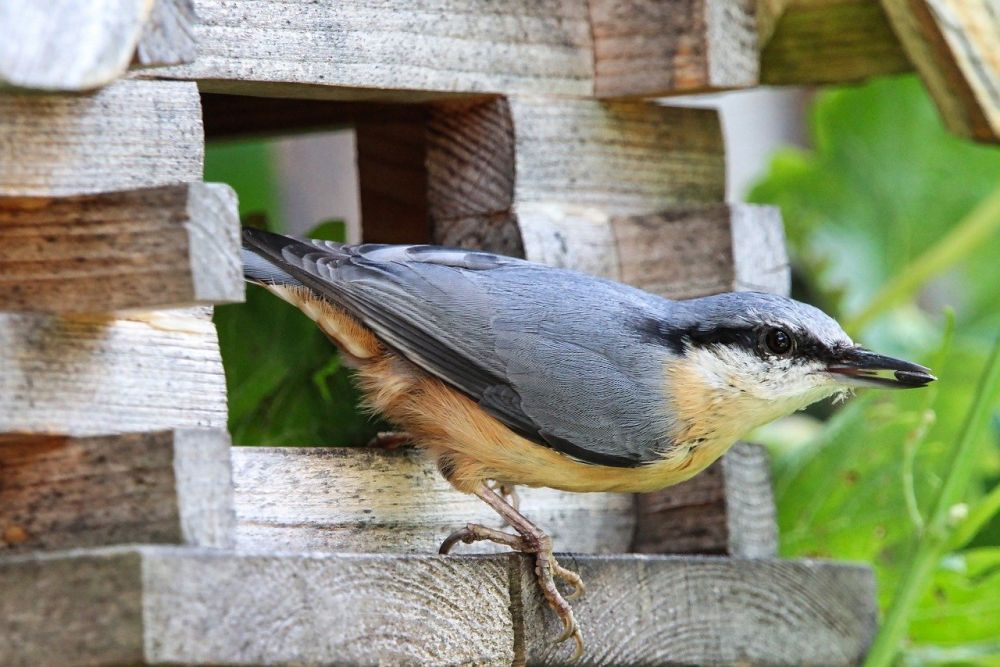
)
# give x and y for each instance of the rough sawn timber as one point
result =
(171, 487)
(955, 46)
(398, 50)
(652, 48)
(131, 134)
(150, 248)
(168, 36)
(94, 375)
(376, 501)
(182, 605)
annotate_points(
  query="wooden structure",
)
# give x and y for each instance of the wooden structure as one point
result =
(130, 533)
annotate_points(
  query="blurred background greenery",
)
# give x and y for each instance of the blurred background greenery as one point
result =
(893, 228)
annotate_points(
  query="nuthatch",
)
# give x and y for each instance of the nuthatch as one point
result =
(519, 373)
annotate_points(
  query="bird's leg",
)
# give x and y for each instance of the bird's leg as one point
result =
(509, 493)
(530, 539)
(390, 439)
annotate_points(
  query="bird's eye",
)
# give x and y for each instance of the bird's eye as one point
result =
(778, 342)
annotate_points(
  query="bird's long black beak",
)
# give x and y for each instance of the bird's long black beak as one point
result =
(858, 366)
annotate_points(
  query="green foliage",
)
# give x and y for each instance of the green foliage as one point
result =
(886, 188)
(285, 381)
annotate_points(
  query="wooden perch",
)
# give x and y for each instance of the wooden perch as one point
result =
(96, 376)
(150, 248)
(163, 605)
(374, 501)
(157, 487)
(364, 500)
(652, 48)
(807, 42)
(129, 135)
(955, 46)
(355, 51)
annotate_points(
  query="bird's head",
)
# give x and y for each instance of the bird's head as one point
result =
(743, 359)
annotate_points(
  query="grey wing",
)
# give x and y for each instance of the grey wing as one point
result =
(508, 333)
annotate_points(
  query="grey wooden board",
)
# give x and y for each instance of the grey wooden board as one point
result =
(673, 610)
(68, 44)
(168, 36)
(400, 49)
(148, 248)
(169, 487)
(177, 605)
(365, 500)
(131, 134)
(99, 375)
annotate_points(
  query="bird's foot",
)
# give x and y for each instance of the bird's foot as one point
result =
(509, 493)
(530, 540)
(390, 440)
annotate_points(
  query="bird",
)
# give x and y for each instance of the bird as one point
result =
(511, 372)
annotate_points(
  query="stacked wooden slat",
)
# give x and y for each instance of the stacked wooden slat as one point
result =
(132, 536)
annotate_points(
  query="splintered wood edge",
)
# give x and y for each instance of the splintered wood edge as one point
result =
(649, 48)
(954, 46)
(171, 487)
(810, 42)
(152, 248)
(376, 501)
(162, 605)
(151, 370)
(130, 134)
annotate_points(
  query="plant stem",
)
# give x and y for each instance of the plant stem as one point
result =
(936, 539)
(965, 237)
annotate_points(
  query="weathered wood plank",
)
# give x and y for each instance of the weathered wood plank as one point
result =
(96, 376)
(809, 42)
(166, 606)
(680, 253)
(131, 134)
(168, 35)
(651, 48)
(176, 605)
(148, 248)
(500, 162)
(364, 500)
(66, 44)
(169, 487)
(402, 50)
(708, 611)
(727, 509)
(955, 46)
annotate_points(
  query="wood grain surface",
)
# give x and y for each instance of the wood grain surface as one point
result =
(181, 605)
(652, 48)
(400, 50)
(810, 42)
(669, 610)
(365, 500)
(169, 487)
(149, 248)
(131, 134)
(955, 46)
(83, 376)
